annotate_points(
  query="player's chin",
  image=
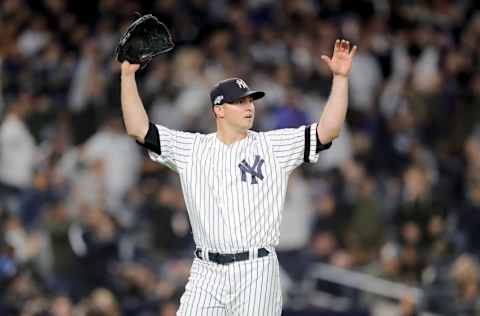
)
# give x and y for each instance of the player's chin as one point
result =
(249, 123)
(245, 123)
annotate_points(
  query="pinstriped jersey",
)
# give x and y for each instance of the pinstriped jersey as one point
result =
(235, 193)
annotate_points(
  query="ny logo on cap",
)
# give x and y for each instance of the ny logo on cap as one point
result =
(241, 84)
(218, 100)
(255, 171)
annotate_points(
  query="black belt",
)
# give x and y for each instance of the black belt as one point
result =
(227, 258)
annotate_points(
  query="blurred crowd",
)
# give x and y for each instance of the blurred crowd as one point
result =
(91, 227)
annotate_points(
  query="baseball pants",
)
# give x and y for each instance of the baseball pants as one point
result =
(244, 288)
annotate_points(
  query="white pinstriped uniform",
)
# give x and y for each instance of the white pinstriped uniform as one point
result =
(234, 196)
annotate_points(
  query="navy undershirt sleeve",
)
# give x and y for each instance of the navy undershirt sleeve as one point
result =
(152, 140)
(319, 146)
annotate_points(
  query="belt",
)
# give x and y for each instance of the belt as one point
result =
(227, 258)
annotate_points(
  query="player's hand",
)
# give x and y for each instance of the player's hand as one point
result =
(129, 69)
(341, 62)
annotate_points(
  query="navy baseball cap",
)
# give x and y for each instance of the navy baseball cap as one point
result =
(233, 89)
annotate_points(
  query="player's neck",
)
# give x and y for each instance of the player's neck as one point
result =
(229, 135)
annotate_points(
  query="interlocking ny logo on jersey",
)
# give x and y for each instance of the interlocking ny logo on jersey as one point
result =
(255, 171)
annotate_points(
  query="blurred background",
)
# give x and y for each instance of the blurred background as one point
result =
(387, 223)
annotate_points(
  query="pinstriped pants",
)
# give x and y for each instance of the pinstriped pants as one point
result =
(245, 288)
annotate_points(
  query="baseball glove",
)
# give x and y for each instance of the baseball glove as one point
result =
(144, 39)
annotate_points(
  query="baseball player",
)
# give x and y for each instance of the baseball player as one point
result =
(234, 183)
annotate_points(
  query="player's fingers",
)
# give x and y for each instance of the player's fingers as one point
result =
(336, 47)
(326, 59)
(353, 51)
(127, 67)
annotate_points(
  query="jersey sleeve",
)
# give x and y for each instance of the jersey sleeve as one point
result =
(169, 147)
(293, 146)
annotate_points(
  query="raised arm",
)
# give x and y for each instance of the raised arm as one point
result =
(333, 115)
(134, 115)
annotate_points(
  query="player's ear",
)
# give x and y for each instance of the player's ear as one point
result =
(218, 111)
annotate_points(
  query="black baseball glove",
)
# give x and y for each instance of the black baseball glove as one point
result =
(145, 38)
